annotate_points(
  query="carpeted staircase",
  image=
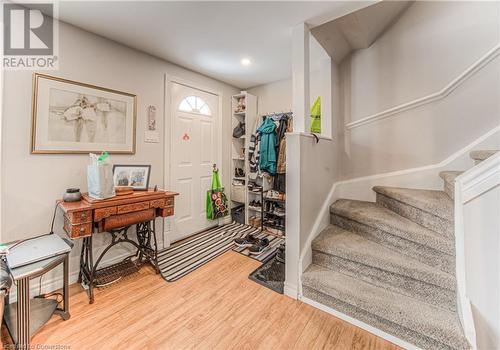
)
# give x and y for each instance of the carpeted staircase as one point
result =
(391, 263)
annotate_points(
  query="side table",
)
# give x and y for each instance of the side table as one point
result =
(25, 317)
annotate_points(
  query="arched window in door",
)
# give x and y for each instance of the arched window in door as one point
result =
(194, 104)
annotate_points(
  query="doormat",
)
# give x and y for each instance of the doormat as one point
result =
(274, 243)
(271, 275)
(187, 255)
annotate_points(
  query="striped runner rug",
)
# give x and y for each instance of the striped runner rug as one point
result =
(274, 242)
(187, 255)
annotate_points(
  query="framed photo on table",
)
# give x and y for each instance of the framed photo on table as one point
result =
(135, 176)
(74, 117)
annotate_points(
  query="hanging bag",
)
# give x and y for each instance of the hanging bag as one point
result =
(316, 116)
(216, 204)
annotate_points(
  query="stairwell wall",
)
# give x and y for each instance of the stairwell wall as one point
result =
(430, 45)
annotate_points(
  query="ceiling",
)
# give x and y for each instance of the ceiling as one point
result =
(210, 37)
(359, 29)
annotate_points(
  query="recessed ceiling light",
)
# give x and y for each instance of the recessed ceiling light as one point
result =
(245, 61)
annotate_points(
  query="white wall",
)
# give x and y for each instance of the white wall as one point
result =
(32, 183)
(430, 45)
(273, 97)
(277, 96)
(307, 189)
(482, 252)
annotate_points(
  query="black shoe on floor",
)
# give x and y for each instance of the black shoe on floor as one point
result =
(247, 241)
(259, 247)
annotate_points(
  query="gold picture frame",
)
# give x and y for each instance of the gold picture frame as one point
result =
(71, 117)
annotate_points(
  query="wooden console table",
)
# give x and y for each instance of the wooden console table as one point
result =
(116, 216)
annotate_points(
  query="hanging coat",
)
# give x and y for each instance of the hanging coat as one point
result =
(267, 160)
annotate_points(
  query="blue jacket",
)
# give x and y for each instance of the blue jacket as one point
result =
(267, 161)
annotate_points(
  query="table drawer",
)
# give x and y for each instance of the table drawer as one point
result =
(169, 201)
(164, 212)
(127, 208)
(77, 231)
(157, 203)
(103, 213)
(80, 217)
(127, 219)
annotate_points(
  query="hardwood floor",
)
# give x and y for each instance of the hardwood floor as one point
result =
(215, 307)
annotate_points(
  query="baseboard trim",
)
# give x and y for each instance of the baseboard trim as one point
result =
(360, 324)
(290, 290)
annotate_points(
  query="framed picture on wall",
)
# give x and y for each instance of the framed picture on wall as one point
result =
(74, 117)
(135, 176)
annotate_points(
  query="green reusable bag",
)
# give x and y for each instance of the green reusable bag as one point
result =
(216, 203)
(316, 116)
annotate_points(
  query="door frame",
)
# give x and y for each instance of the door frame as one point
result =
(168, 132)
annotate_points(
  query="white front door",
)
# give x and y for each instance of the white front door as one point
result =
(194, 151)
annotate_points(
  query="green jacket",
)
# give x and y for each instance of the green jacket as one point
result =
(267, 160)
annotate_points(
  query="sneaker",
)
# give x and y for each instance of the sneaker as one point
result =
(246, 242)
(258, 248)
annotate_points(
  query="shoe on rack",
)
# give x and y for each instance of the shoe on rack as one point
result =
(258, 248)
(257, 188)
(272, 194)
(247, 241)
(279, 211)
(254, 206)
(280, 253)
(238, 172)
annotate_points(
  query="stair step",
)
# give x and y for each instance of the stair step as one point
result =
(479, 156)
(409, 319)
(388, 228)
(354, 255)
(449, 181)
(429, 208)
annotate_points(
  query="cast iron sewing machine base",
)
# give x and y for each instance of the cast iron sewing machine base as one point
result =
(147, 252)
